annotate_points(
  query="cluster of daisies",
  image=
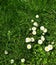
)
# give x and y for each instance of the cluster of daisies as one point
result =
(32, 39)
(49, 47)
(42, 37)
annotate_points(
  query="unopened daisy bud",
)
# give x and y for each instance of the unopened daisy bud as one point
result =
(42, 38)
(22, 60)
(30, 29)
(28, 46)
(35, 24)
(6, 52)
(32, 20)
(37, 16)
(12, 61)
(43, 33)
(46, 48)
(52, 42)
(28, 39)
(45, 30)
(34, 32)
(50, 47)
(42, 28)
(40, 41)
(32, 39)
(33, 28)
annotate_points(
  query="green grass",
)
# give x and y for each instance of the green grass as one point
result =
(15, 21)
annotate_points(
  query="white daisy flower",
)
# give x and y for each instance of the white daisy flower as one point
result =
(28, 40)
(12, 61)
(46, 48)
(34, 28)
(34, 32)
(42, 38)
(45, 30)
(50, 47)
(28, 46)
(37, 16)
(42, 28)
(22, 60)
(6, 52)
(32, 39)
(35, 24)
(40, 41)
(32, 20)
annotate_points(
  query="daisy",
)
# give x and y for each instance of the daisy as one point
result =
(46, 48)
(42, 28)
(22, 60)
(50, 47)
(6, 52)
(34, 32)
(33, 28)
(35, 24)
(28, 46)
(32, 20)
(45, 30)
(40, 41)
(42, 38)
(37, 16)
(12, 61)
(28, 40)
(32, 39)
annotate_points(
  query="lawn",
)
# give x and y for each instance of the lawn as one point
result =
(16, 21)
